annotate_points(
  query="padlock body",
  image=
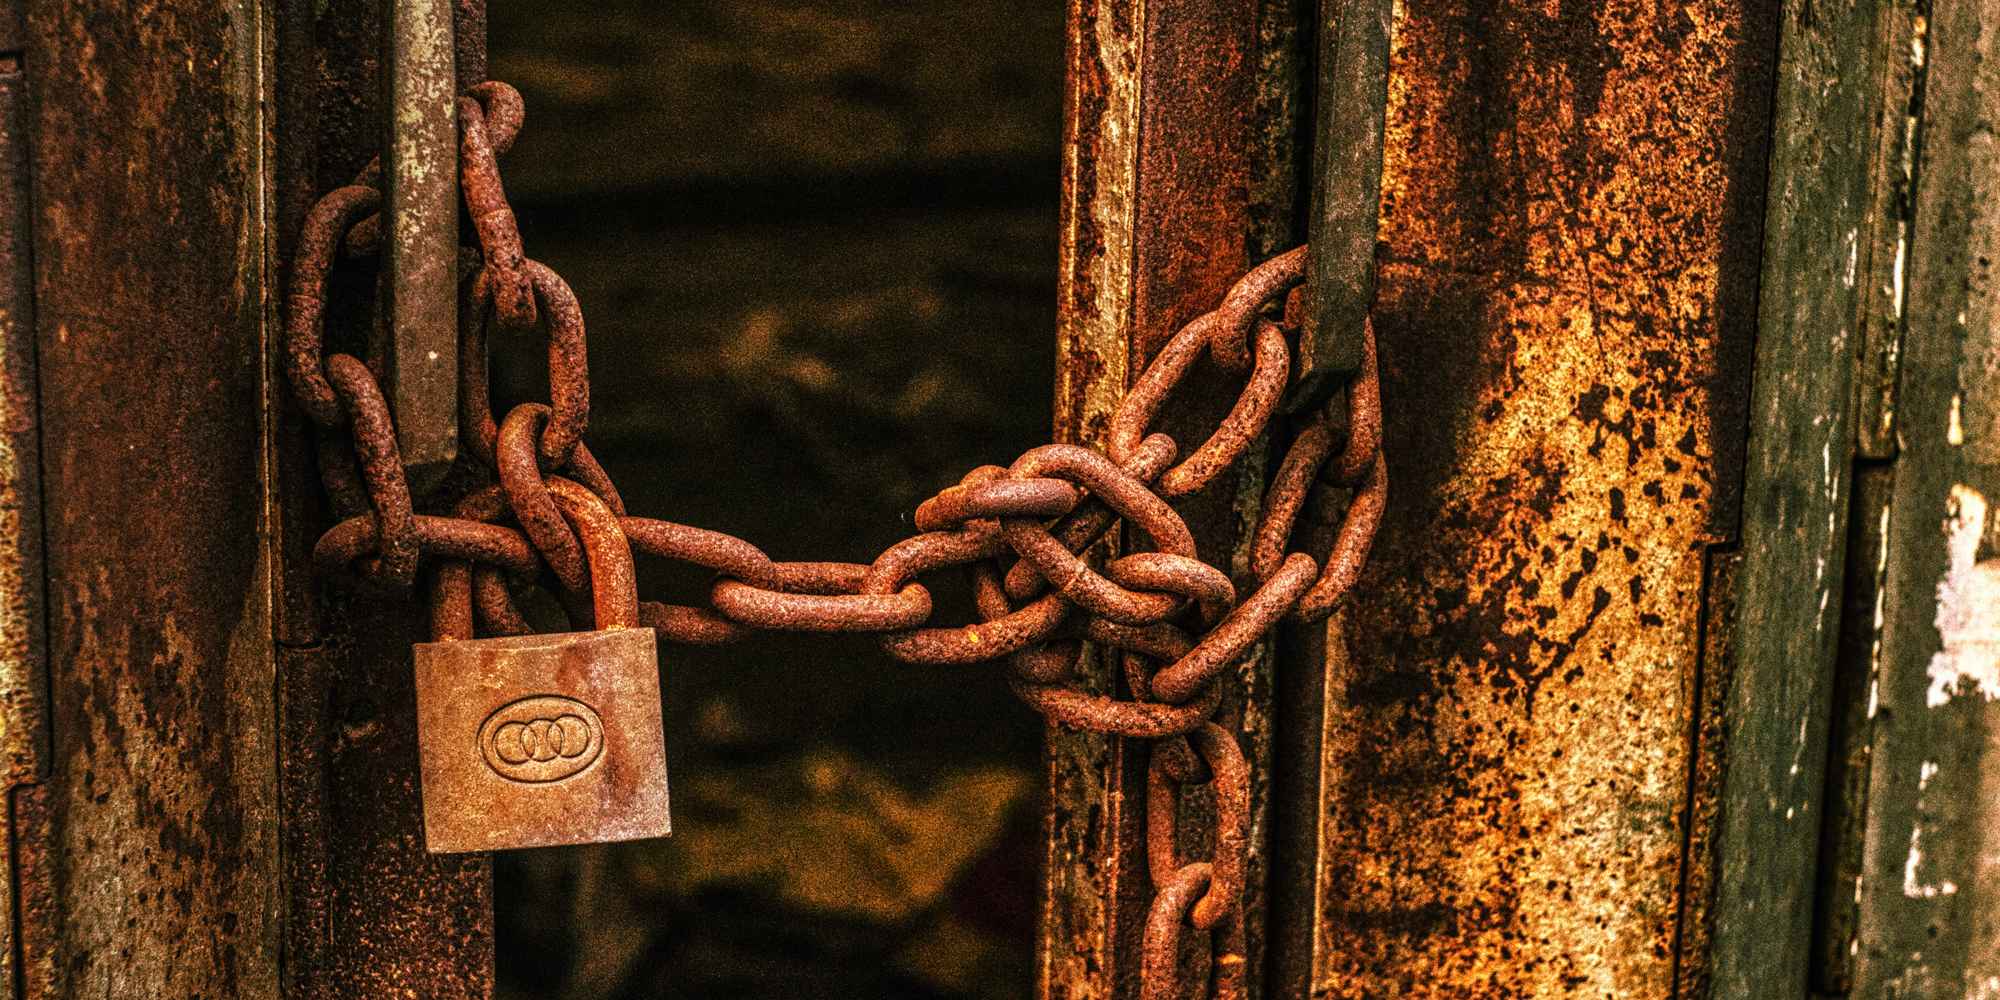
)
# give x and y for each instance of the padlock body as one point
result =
(539, 740)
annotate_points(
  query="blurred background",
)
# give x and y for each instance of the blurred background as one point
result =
(815, 246)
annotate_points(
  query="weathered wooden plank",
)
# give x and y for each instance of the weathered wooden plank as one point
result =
(1930, 886)
(1819, 227)
(1850, 736)
(1571, 205)
(149, 152)
(1898, 58)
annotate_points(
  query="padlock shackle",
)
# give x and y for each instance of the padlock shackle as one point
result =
(451, 601)
(614, 585)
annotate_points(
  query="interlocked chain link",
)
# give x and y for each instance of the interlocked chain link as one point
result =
(539, 500)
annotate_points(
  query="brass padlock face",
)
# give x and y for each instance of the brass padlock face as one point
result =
(539, 740)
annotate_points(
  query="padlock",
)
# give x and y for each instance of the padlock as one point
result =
(540, 740)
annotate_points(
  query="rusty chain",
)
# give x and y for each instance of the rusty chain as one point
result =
(1024, 533)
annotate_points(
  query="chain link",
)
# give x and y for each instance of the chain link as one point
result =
(543, 512)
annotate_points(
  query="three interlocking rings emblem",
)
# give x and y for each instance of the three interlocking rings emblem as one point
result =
(540, 739)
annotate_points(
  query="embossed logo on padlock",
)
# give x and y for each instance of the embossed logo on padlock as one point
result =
(545, 738)
(538, 740)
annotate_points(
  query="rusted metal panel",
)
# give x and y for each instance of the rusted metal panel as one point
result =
(1157, 215)
(1815, 309)
(368, 910)
(1709, 690)
(34, 896)
(23, 671)
(23, 663)
(1929, 892)
(1190, 244)
(1571, 208)
(149, 151)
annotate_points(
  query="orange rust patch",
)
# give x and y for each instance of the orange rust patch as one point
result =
(1506, 761)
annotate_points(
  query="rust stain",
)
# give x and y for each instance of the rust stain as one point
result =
(1506, 764)
(368, 911)
(1100, 171)
(1156, 221)
(160, 872)
(1077, 952)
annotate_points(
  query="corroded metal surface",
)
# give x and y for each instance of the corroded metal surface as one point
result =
(23, 663)
(1352, 70)
(536, 740)
(1155, 208)
(1571, 206)
(419, 285)
(23, 670)
(151, 293)
(367, 910)
(1092, 878)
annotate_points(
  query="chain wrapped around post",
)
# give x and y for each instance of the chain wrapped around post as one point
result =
(1023, 532)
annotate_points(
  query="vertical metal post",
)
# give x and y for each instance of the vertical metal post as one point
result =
(1170, 192)
(150, 148)
(1351, 38)
(23, 651)
(419, 284)
(369, 911)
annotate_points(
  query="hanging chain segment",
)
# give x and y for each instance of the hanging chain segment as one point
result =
(1024, 533)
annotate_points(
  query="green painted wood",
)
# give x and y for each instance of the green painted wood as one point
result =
(1844, 823)
(1819, 218)
(1884, 260)
(1930, 887)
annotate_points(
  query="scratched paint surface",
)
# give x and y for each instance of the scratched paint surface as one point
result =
(1571, 200)
(1928, 896)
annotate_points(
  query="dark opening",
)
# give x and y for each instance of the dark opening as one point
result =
(815, 248)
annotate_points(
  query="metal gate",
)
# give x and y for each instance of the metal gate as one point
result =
(1668, 675)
